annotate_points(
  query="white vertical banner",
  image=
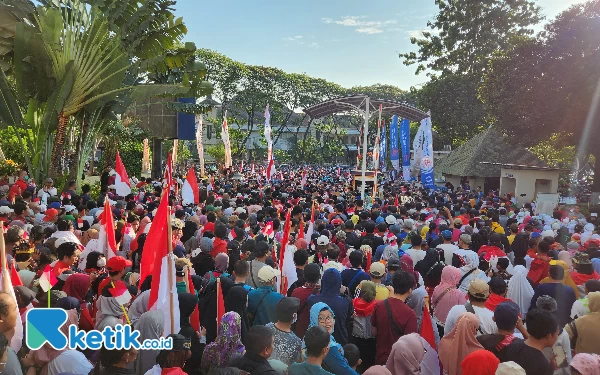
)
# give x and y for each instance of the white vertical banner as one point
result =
(146, 156)
(175, 147)
(418, 149)
(199, 144)
(268, 134)
(226, 142)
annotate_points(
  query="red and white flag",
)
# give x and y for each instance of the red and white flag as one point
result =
(226, 142)
(253, 168)
(122, 186)
(189, 191)
(47, 279)
(268, 230)
(311, 225)
(286, 259)
(242, 167)
(303, 181)
(107, 242)
(220, 302)
(160, 264)
(195, 317)
(271, 170)
(267, 133)
(120, 292)
(168, 176)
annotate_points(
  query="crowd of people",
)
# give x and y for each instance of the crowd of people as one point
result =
(404, 281)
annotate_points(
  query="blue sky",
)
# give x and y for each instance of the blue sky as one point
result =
(349, 42)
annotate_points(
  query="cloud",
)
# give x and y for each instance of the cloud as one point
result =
(293, 38)
(360, 25)
(419, 33)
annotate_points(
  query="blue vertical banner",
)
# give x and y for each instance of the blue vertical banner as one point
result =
(394, 154)
(405, 145)
(427, 175)
(382, 147)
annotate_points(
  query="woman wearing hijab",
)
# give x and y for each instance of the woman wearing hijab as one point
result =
(46, 354)
(566, 280)
(187, 304)
(480, 362)
(445, 296)
(430, 269)
(151, 326)
(584, 330)
(585, 364)
(77, 286)
(237, 301)
(70, 362)
(208, 306)
(407, 264)
(334, 362)
(470, 271)
(221, 264)
(519, 289)
(110, 312)
(228, 344)
(377, 370)
(139, 306)
(24, 298)
(406, 355)
(363, 335)
(459, 343)
(416, 301)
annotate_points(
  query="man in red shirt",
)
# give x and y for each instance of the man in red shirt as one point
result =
(392, 317)
(67, 253)
(19, 187)
(220, 241)
(312, 275)
(116, 267)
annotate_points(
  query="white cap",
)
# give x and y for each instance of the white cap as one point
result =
(4, 210)
(322, 241)
(268, 273)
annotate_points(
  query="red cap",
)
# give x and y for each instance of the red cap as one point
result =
(51, 213)
(336, 222)
(117, 263)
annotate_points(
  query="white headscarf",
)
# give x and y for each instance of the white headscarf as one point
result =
(519, 289)
(70, 361)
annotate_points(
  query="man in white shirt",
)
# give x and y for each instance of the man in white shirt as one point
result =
(448, 247)
(48, 190)
(479, 291)
(415, 252)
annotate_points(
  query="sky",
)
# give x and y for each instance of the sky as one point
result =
(349, 42)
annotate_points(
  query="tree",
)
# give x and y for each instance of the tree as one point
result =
(550, 85)
(464, 35)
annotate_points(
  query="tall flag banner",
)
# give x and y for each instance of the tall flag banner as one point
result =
(271, 170)
(195, 317)
(394, 153)
(383, 148)
(339, 171)
(286, 258)
(242, 167)
(146, 156)
(122, 186)
(156, 262)
(168, 176)
(220, 302)
(226, 142)
(303, 181)
(405, 144)
(189, 191)
(175, 148)
(427, 179)
(199, 144)
(358, 147)
(107, 243)
(268, 132)
(252, 168)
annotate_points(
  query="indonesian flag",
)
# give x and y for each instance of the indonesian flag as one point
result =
(106, 237)
(168, 176)
(427, 327)
(220, 302)
(120, 293)
(267, 132)
(189, 191)
(226, 142)
(396, 201)
(47, 279)
(301, 229)
(268, 230)
(195, 317)
(160, 264)
(303, 181)
(286, 259)
(271, 169)
(242, 167)
(122, 186)
(253, 168)
(311, 225)
(7, 287)
(338, 171)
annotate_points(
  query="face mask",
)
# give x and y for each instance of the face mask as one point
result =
(26, 178)
(101, 262)
(295, 318)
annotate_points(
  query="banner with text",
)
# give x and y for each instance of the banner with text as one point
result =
(394, 153)
(405, 145)
(382, 147)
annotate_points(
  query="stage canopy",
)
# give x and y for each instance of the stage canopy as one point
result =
(357, 102)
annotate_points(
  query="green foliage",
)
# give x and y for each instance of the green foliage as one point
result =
(128, 140)
(11, 147)
(464, 35)
(548, 85)
(554, 153)
(9, 168)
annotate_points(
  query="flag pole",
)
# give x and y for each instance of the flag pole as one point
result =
(170, 266)
(112, 283)
(218, 290)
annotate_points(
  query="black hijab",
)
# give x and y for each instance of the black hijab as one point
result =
(236, 301)
(24, 296)
(187, 304)
(208, 306)
(430, 268)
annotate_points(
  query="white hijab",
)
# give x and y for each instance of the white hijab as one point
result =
(70, 361)
(519, 289)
